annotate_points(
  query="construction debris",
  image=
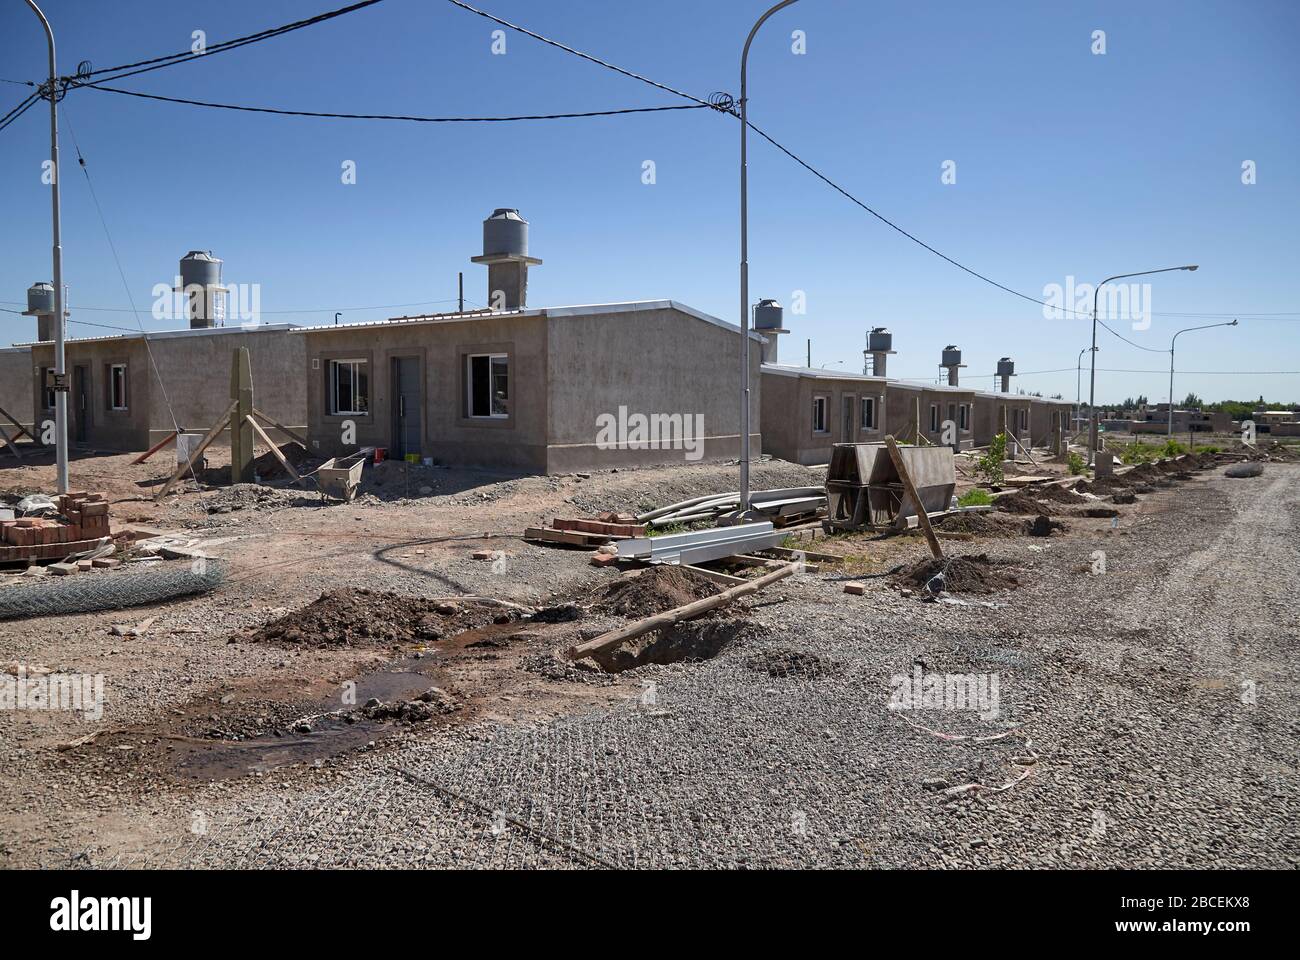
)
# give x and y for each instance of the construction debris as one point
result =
(865, 490)
(783, 507)
(72, 524)
(699, 546)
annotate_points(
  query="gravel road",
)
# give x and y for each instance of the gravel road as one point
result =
(1146, 717)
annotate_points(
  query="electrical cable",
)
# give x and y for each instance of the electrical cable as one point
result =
(157, 63)
(390, 116)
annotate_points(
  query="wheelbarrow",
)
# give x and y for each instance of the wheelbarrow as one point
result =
(339, 477)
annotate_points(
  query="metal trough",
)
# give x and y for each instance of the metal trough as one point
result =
(864, 490)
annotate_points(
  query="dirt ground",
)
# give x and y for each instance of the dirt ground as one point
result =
(342, 689)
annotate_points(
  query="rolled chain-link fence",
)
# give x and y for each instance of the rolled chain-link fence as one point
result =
(110, 589)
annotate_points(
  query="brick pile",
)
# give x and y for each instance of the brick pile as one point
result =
(83, 525)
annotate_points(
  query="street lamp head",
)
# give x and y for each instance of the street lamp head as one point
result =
(1192, 266)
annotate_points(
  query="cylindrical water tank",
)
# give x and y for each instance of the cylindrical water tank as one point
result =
(879, 340)
(505, 232)
(40, 298)
(200, 268)
(768, 315)
(951, 356)
(1006, 367)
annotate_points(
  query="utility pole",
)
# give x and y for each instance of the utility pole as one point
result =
(744, 258)
(1092, 387)
(60, 372)
(1170, 432)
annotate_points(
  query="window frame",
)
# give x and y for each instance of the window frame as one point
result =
(469, 386)
(963, 412)
(865, 423)
(331, 385)
(48, 393)
(822, 402)
(934, 418)
(112, 384)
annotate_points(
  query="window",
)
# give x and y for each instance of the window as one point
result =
(47, 388)
(1022, 420)
(819, 415)
(868, 413)
(952, 412)
(964, 412)
(349, 387)
(117, 386)
(934, 418)
(488, 385)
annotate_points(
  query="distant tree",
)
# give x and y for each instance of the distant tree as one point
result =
(1191, 401)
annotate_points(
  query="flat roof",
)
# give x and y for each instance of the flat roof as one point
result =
(576, 310)
(170, 334)
(786, 370)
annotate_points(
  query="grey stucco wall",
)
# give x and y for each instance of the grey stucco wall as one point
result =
(92, 423)
(195, 371)
(516, 443)
(788, 415)
(659, 361)
(15, 385)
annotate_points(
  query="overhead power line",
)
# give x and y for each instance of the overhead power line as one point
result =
(390, 116)
(157, 63)
(799, 160)
(22, 107)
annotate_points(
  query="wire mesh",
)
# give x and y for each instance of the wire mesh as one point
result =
(110, 590)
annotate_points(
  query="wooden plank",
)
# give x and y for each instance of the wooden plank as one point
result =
(281, 427)
(257, 428)
(198, 451)
(678, 614)
(156, 447)
(571, 538)
(922, 517)
(787, 554)
(9, 444)
(21, 429)
(726, 579)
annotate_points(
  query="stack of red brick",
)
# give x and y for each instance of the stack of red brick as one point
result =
(49, 538)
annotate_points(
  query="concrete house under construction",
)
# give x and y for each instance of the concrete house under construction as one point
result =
(545, 390)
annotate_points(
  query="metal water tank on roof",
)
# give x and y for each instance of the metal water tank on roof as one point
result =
(768, 315)
(40, 298)
(200, 268)
(1006, 367)
(505, 232)
(880, 339)
(951, 356)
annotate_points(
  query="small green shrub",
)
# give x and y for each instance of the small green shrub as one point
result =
(975, 497)
(1077, 465)
(1172, 448)
(989, 466)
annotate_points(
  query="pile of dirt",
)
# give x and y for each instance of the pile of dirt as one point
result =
(654, 591)
(267, 466)
(692, 640)
(969, 574)
(374, 618)
(248, 496)
(785, 662)
(1104, 485)
(1058, 494)
(1020, 502)
(1042, 526)
(979, 524)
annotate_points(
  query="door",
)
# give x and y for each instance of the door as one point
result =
(848, 418)
(80, 401)
(406, 432)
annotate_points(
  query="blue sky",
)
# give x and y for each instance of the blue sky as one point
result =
(1067, 164)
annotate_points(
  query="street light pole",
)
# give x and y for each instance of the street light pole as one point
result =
(1092, 387)
(1171, 365)
(60, 374)
(1078, 390)
(744, 258)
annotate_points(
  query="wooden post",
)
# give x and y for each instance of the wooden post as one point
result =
(922, 517)
(20, 428)
(275, 450)
(677, 614)
(155, 448)
(241, 433)
(9, 444)
(198, 451)
(281, 427)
